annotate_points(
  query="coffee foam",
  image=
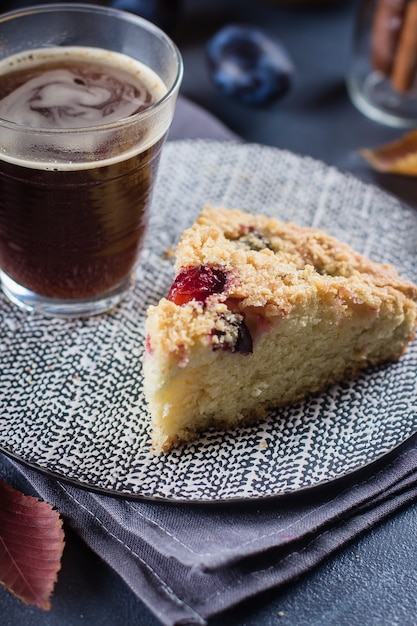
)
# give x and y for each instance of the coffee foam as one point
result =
(66, 98)
(61, 99)
(58, 99)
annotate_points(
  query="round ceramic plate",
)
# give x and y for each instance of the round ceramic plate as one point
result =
(71, 398)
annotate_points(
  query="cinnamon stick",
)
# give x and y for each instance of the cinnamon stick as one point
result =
(405, 59)
(386, 26)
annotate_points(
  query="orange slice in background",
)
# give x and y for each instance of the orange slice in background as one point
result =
(397, 157)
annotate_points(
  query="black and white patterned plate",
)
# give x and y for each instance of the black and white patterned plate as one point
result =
(71, 401)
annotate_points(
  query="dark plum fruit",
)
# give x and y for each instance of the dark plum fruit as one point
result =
(249, 66)
(163, 13)
(244, 343)
(253, 240)
(235, 335)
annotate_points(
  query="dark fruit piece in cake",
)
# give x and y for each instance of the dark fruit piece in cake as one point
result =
(253, 240)
(231, 333)
(197, 283)
(244, 343)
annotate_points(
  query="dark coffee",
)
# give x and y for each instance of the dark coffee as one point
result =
(71, 228)
(74, 234)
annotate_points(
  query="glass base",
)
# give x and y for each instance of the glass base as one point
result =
(57, 307)
(375, 98)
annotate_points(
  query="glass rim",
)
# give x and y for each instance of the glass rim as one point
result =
(119, 14)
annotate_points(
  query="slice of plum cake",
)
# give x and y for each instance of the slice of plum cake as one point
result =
(262, 313)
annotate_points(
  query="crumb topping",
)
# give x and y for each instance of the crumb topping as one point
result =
(292, 253)
(272, 268)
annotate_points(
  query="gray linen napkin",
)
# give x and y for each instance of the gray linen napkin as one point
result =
(189, 562)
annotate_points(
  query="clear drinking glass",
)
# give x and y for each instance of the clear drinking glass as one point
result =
(79, 155)
(382, 75)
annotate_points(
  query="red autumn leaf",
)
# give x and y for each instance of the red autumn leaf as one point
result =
(31, 546)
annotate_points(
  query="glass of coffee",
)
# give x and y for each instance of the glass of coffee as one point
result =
(87, 96)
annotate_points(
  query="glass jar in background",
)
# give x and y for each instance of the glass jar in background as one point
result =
(382, 75)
